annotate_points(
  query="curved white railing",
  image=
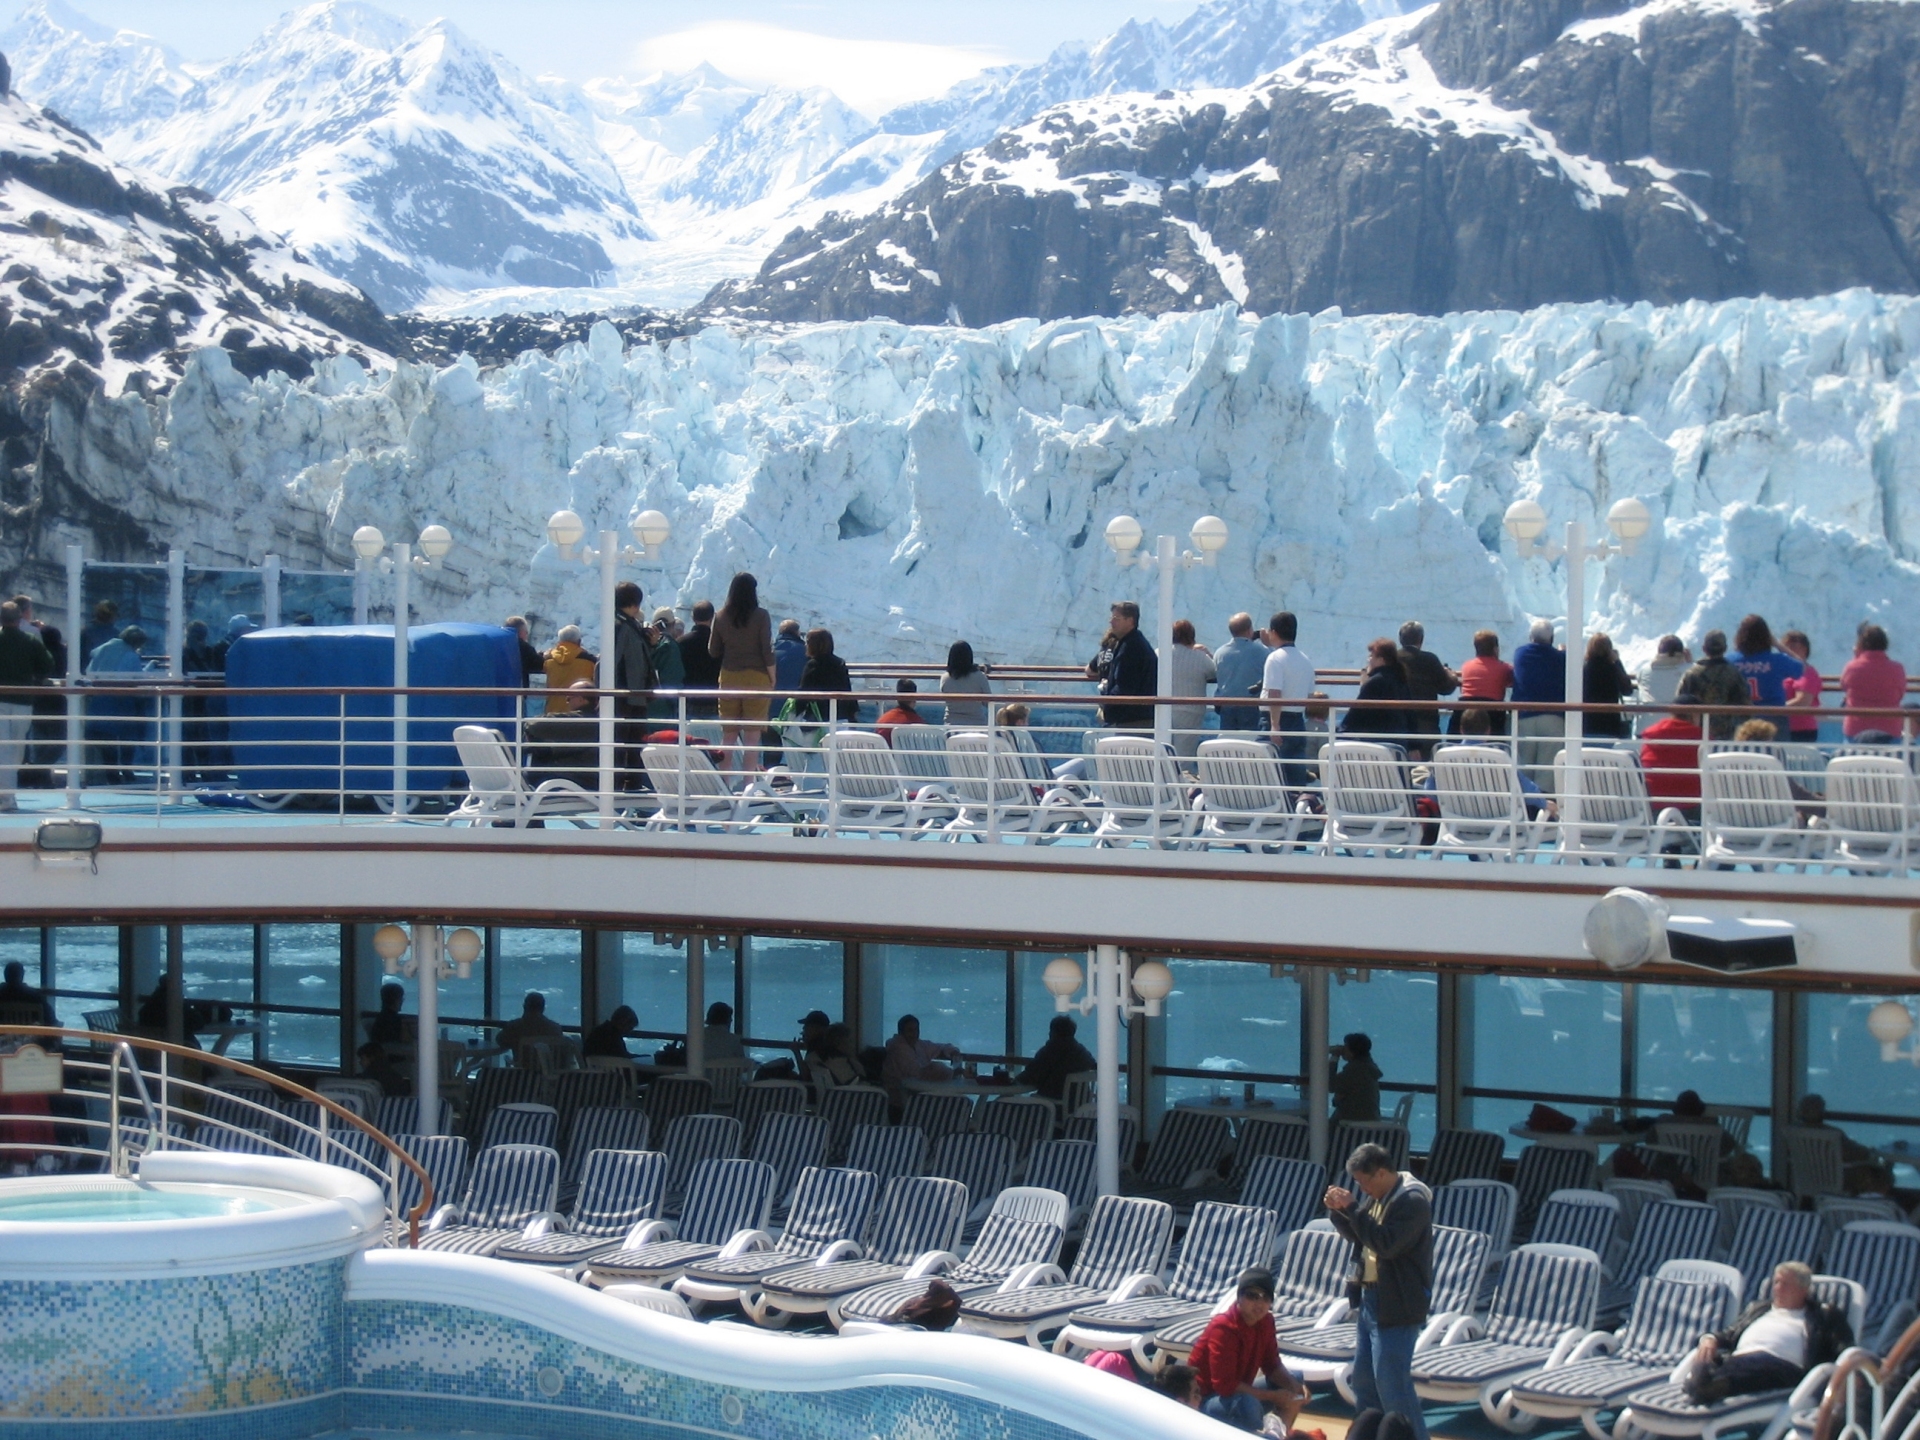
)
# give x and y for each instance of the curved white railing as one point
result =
(1075, 1397)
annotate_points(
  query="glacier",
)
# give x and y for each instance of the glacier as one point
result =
(908, 486)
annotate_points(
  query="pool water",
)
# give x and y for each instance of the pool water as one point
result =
(119, 1204)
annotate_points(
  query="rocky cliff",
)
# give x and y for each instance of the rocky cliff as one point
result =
(1478, 154)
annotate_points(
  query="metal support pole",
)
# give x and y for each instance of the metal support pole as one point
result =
(1576, 684)
(270, 595)
(609, 623)
(402, 640)
(1314, 997)
(176, 664)
(362, 583)
(76, 755)
(426, 954)
(1106, 1050)
(1166, 558)
(696, 1006)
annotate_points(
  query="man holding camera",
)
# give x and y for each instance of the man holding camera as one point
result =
(1390, 1222)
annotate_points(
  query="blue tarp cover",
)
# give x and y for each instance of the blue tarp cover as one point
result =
(302, 742)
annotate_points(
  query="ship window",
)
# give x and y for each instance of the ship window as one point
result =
(1527, 1039)
(1230, 1024)
(1400, 1010)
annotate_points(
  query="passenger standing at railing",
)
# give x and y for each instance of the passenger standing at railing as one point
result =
(1872, 680)
(1486, 677)
(963, 677)
(116, 724)
(1540, 678)
(105, 626)
(827, 672)
(1659, 679)
(1286, 682)
(742, 641)
(1670, 761)
(702, 669)
(1604, 681)
(1768, 671)
(1193, 671)
(46, 738)
(1428, 678)
(1714, 681)
(669, 673)
(1803, 692)
(1383, 679)
(532, 662)
(567, 662)
(633, 675)
(24, 662)
(789, 657)
(1238, 667)
(1126, 665)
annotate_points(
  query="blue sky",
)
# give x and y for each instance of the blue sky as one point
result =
(893, 48)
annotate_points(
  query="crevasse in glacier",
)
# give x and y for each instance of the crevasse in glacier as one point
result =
(907, 486)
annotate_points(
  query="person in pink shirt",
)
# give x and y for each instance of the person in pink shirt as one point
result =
(1803, 692)
(1487, 677)
(1873, 679)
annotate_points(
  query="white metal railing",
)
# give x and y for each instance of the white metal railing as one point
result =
(122, 1096)
(1347, 778)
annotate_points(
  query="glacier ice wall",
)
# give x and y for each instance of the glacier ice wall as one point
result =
(907, 486)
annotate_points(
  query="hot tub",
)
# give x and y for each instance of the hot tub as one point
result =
(207, 1285)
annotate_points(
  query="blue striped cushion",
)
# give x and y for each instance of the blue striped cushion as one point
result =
(498, 1085)
(1668, 1319)
(1222, 1243)
(1035, 1303)
(1599, 1381)
(828, 1205)
(521, 1125)
(1068, 1166)
(1125, 1236)
(938, 1115)
(510, 1185)
(790, 1144)
(466, 1239)
(982, 1163)
(400, 1115)
(1312, 1273)
(672, 1096)
(1292, 1189)
(1349, 1135)
(561, 1249)
(880, 1303)
(725, 1197)
(1541, 1296)
(1181, 1335)
(689, 1141)
(843, 1277)
(1286, 1139)
(1006, 1243)
(1086, 1127)
(1025, 1122)
(1329, 1342)
(1673, 1402)
(1543, 1169)
(663, 1257)
(1477, 1361)
(444, 1158)
(762, 1098)
(916, 1214)
(1464, 1155)
(1149, 1312)
(1763, 1238)
(602, 1128)
(887, 1150)
(1189, 1141)
(1459, 1262)
(576, 1090)
(1884, 1258)
(618, 1190)
(1591, 1227)
(844, 1109)
(1666, 1230)
(1483, 1207)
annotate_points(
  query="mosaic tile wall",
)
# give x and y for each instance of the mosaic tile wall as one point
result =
(196, 1345)
(441, 1367)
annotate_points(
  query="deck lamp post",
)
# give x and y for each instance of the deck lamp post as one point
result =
(566, 530)
(1526, 522)
(1114, 974)
(437, 956)
(369, 545)
(1124, 535)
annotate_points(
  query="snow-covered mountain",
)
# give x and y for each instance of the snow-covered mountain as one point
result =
(106, 81)
(405, 160)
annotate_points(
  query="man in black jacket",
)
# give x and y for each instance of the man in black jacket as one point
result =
(633, 675)
(1126, 665)
(1428, 677)
(1390, 1223)
(1772, 1343)
(703, 669)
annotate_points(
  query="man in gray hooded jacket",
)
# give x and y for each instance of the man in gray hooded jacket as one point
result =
(1390, 1222)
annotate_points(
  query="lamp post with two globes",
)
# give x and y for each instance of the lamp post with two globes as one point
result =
(1114, 974)
(436, 542)
(436, 957)
(566, 530)
(1526, 522)
(1209, 536)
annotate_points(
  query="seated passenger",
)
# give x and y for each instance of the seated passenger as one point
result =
(1863, 1172)
(902, 713)
(720, 1041)
(1237, 1348)
(533, 1024)
(375, 1066)
(1060, 1057)
(564, 744)
(1771, 1344)
(16, 992)
(840, 1057)
(609, 1037)
(390, 1027)
(911, 1058)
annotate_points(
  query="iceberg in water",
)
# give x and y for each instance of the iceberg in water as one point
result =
(909, 486)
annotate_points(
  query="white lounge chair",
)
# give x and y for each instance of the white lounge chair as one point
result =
(993, 793)
(694, 795)
(1747, 813)
(1369, 807)
(1243, 798)
(1616, 817)
(866, 790)
(497, 792)
(1140, 794)
(1870, 814)
(1483, 812)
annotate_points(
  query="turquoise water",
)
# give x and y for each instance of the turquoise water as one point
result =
(119, 1206)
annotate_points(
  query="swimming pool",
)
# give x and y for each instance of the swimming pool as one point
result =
(117, 1202)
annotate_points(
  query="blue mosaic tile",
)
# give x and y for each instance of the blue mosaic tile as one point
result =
(114, 1350)
(420, 1357)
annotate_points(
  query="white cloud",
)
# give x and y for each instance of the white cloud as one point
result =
(870, 75)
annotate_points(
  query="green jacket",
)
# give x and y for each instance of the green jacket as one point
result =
(24, 660)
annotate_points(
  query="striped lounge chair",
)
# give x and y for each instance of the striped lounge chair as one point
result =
(918, 1217)
(1884, 1257)
(982, 1163)
(1542, 1308)
(1185, 1154)
(791, 1144)
(1022, 1237)
(848, 1106)
(1587, 1218)
(400, 1115)
(1463, 1155)
(1667, 1230)
(510, 1186)
(618, 1190)
(520, 1123)
(688, 1142)
(828, 1217)
(444, 1158)
(724, 1197)
(1069, 1167)
(1124, 1248)
(1026, 1120)
(937, 1114)
(1765, 1237)
(672, 1096)
(761, 1098)
(599, 1127)
(1310, 1283)
(1292, 1189)
(1541, 1170)
(1486, 1206)
(887, 1150)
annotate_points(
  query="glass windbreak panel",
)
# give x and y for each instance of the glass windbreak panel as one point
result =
(302, 969)
(86, 962)
(1713, 1041)
(1551, 1040)
(1400, 1011)
(22, 948)
(544, 960)
(1846, 1069)
(216, 980)
(1035, 1002)
(959, 995)
(785, 980)
(653, 981)
(718, 976)
(1229, 1017)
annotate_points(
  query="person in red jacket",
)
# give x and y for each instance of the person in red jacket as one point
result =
(1236, 1349)
(1670, 756)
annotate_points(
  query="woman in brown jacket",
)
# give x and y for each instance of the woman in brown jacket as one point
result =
(742, 641)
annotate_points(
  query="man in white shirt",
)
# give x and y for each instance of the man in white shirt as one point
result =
(1287, 683)
(1770, 1345)
(911, 1058)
